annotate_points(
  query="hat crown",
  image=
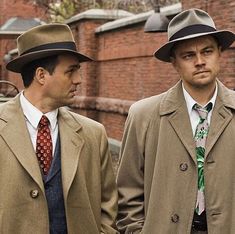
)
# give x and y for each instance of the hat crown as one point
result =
(44, 41)
(188, 18)
(190, 24)
(44, 35)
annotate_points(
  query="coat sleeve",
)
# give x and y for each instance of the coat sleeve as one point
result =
(109, 195)
(130, 178)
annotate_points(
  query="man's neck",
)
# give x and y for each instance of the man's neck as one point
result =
(202, 95)
(38, 101)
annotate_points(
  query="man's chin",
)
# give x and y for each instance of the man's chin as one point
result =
(67, 102)
(204, 83)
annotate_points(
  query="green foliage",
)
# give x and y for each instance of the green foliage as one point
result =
(60, 10)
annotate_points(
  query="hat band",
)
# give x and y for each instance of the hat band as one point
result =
(53, 46)
(192, 29)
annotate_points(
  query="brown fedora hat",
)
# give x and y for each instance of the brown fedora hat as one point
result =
(190, 24)
(44, 41)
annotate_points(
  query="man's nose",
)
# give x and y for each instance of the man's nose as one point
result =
(199, 60)
(77, 78)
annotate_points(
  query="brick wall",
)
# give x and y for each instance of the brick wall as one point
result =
(125, 69)
(23, 8)
(9, 9)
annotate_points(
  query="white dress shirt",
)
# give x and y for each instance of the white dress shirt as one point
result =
(32, 118)
(193, 114)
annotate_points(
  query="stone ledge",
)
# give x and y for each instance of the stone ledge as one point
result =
(138, 18)
(99, 14)
(103, 104)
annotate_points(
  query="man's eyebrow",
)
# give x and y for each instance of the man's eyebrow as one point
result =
(192, 51)
(72, 68)
(187, 52)
(76, 66)
(208, 47)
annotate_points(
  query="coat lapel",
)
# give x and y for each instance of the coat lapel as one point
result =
(71, 145)
(16, 136)
(174, 105)
(182, 126)
(221, 115)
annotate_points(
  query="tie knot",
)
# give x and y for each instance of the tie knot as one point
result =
(203, 111)
(44, 121)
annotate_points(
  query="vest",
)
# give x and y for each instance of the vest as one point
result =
(54, 194)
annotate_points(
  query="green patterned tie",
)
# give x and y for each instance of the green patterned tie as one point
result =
(200, 139)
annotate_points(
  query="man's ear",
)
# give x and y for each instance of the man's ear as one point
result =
(40, 74)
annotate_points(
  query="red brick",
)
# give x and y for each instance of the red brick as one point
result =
(125, 68)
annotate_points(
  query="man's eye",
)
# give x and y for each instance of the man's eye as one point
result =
(207, 52)
(187, 56)
(71, 71)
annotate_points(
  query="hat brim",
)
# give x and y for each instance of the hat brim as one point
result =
(225, 39)
(18, 63)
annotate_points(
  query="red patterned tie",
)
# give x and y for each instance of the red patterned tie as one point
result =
(44, 145)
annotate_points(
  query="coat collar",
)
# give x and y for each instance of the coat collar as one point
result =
(13, 130)
(174, 98)
(173, 104)
(221, 115)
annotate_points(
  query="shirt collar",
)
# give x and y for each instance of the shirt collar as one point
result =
(33, 115)
(190, 102)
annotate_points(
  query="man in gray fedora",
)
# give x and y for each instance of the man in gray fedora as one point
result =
(55, 169)
(176, 173)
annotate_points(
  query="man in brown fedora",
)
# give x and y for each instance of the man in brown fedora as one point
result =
(176, 173)
(55, 169)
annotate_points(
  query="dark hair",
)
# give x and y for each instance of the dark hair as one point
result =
(28, 70)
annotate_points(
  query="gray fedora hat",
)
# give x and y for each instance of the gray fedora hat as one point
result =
(190, 24)
(44, 41)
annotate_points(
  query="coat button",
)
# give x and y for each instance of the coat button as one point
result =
(183, 166)
(175, 218)
(34, 193)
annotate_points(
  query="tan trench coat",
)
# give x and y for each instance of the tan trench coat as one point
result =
(157, 177)
(87, 177)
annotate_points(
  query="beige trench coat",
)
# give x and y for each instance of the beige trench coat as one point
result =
(88, 182)
(157, 177)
